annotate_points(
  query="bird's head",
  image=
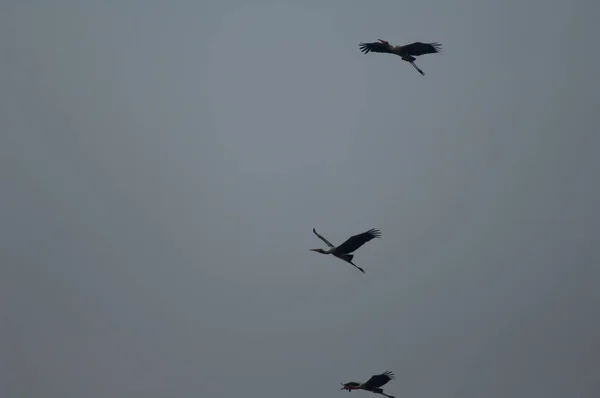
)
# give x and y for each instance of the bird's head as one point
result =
(350, 386)
(318, 251)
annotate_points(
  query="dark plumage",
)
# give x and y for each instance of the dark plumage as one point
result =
(356, 241)
(373, 385)
(380, 380)
(350, 245)
(417, 48)
(407, 52)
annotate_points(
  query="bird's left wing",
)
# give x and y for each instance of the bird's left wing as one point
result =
(377, 381)
(374, 47)
(323, 239)
(356, 241)
(418, 48)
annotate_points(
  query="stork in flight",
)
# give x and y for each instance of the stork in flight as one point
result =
(407, 52)
(351, 244)
(373, 385)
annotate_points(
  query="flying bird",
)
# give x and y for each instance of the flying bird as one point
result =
(373, 385)
(343, 251)
(407, 52)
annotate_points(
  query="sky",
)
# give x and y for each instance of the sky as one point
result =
(162, 165)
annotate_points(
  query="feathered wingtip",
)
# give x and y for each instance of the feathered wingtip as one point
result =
(374, 232)
(390, 374)
(364, 48)
(436, 46)
(380, 46)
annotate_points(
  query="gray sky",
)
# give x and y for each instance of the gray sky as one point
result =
(163, 163)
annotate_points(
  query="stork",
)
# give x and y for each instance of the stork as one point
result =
(373, 385)
(351, 244)
(407, 52)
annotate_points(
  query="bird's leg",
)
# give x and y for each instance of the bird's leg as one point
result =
(360, 269)
(417, 68)
(380, 391)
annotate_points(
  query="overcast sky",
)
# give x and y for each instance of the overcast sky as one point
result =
(162, 166)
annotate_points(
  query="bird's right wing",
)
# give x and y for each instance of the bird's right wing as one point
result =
(377, 381)
(356, 241)
(374, 47)
(418, 48)
(323, 239)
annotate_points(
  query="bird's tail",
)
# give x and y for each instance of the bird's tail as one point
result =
(417, 68)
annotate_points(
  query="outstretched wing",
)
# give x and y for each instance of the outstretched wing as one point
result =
(377, 381)
(356, 241)
(375, 47)
(323, 239)
(418, 48)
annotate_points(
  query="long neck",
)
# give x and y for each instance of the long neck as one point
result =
(355, 386)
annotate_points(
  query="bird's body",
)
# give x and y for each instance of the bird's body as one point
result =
(407, 52)
(373, 385)
(351, 244)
